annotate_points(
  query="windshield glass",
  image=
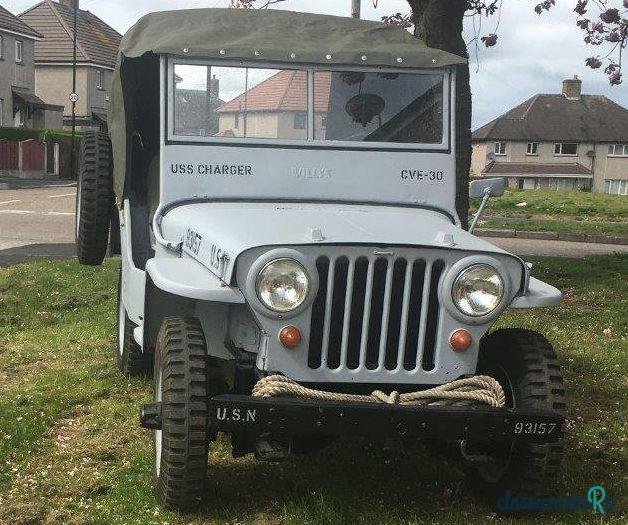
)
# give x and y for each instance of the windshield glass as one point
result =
(348, 106)
(378, 107)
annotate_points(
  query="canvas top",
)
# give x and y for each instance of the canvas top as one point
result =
(285, 36)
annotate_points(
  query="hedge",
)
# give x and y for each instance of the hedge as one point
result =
(42, 135)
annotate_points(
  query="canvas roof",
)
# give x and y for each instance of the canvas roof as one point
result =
(96, 43)
(591, 118)
(11, 22)
(276, 35)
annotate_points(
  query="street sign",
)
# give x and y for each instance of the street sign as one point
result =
(74, 97)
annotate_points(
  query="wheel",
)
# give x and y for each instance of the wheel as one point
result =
(181, 385)
(94, 198)
(130, 357)
(524, 362)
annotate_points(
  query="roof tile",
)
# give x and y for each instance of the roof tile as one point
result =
(11, 22)
(592, 118)
(535, 168)
(97, 42)
(284, 91)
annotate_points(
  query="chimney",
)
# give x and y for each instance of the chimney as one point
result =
(572, 88)
(69, 3)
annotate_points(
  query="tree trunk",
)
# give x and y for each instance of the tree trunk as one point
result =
(439, 23)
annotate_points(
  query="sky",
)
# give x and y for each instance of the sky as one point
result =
(535, 53)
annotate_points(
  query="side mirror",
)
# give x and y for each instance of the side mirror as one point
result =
(477, 188)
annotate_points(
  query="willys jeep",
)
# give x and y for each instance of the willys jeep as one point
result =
(293, 263)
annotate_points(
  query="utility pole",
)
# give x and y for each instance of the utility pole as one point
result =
(355, 8)
(73, 153)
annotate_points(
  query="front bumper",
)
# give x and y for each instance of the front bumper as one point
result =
(283, 417)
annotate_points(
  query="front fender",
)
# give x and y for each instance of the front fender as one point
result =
(184, 277)
(538, 295)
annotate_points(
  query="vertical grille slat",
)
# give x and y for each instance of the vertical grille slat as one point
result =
(366, 321)
(405, 309)
(391, 357)
(375, 313)
(383, 336)
(314, 356)
(413, 340)
(338, 305)
(329, 296)
(358, 295)
(433, 310)
(346, 322)
(427, 276)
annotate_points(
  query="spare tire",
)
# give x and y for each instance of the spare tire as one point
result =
(94, 198)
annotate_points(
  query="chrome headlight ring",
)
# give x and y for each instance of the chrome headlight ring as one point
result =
(266, 277)
(282, 285)
(466, 289)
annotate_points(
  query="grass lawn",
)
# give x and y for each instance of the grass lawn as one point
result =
(577, 212)
(71, 450)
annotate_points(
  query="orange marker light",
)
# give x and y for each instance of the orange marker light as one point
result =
(460, 340)
(290, 337)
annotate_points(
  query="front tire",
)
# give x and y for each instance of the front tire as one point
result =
(181, 385)
(525, 364)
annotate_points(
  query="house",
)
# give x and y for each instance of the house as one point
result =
(566, 141)
(197, 109)
(19, 105)
(97, 47)
(276, 108)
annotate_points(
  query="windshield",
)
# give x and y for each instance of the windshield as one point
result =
(307, 105)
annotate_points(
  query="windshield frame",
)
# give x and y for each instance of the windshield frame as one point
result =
(310, 142)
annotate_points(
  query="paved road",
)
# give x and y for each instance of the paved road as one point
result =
(543, 248)
(36, 223)
(39, 222)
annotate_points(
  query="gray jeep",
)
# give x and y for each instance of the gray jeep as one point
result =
(284, 189)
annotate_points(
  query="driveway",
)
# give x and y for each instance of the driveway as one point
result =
(39, 223)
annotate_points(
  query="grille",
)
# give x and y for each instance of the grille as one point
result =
(375, 312)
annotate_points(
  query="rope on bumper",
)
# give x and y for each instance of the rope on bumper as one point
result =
(477, 390)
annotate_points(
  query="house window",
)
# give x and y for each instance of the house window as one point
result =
(565, 148)
(618, 150)
(533, 148)
(19, 46)
(562, 184)
(500, 148)
(236, 121)
(99, 79)
(616, 187)
(300, 120)
(1, 112)
(323, 122)
(1, 47)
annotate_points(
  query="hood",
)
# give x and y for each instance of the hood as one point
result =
(215, 234)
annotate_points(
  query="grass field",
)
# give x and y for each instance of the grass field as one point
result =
(576, 212)
(71, 451)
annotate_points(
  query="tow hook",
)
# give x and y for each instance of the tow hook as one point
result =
(150, 416)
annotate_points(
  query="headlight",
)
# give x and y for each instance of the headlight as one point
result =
(282, 285)
(478, 290)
